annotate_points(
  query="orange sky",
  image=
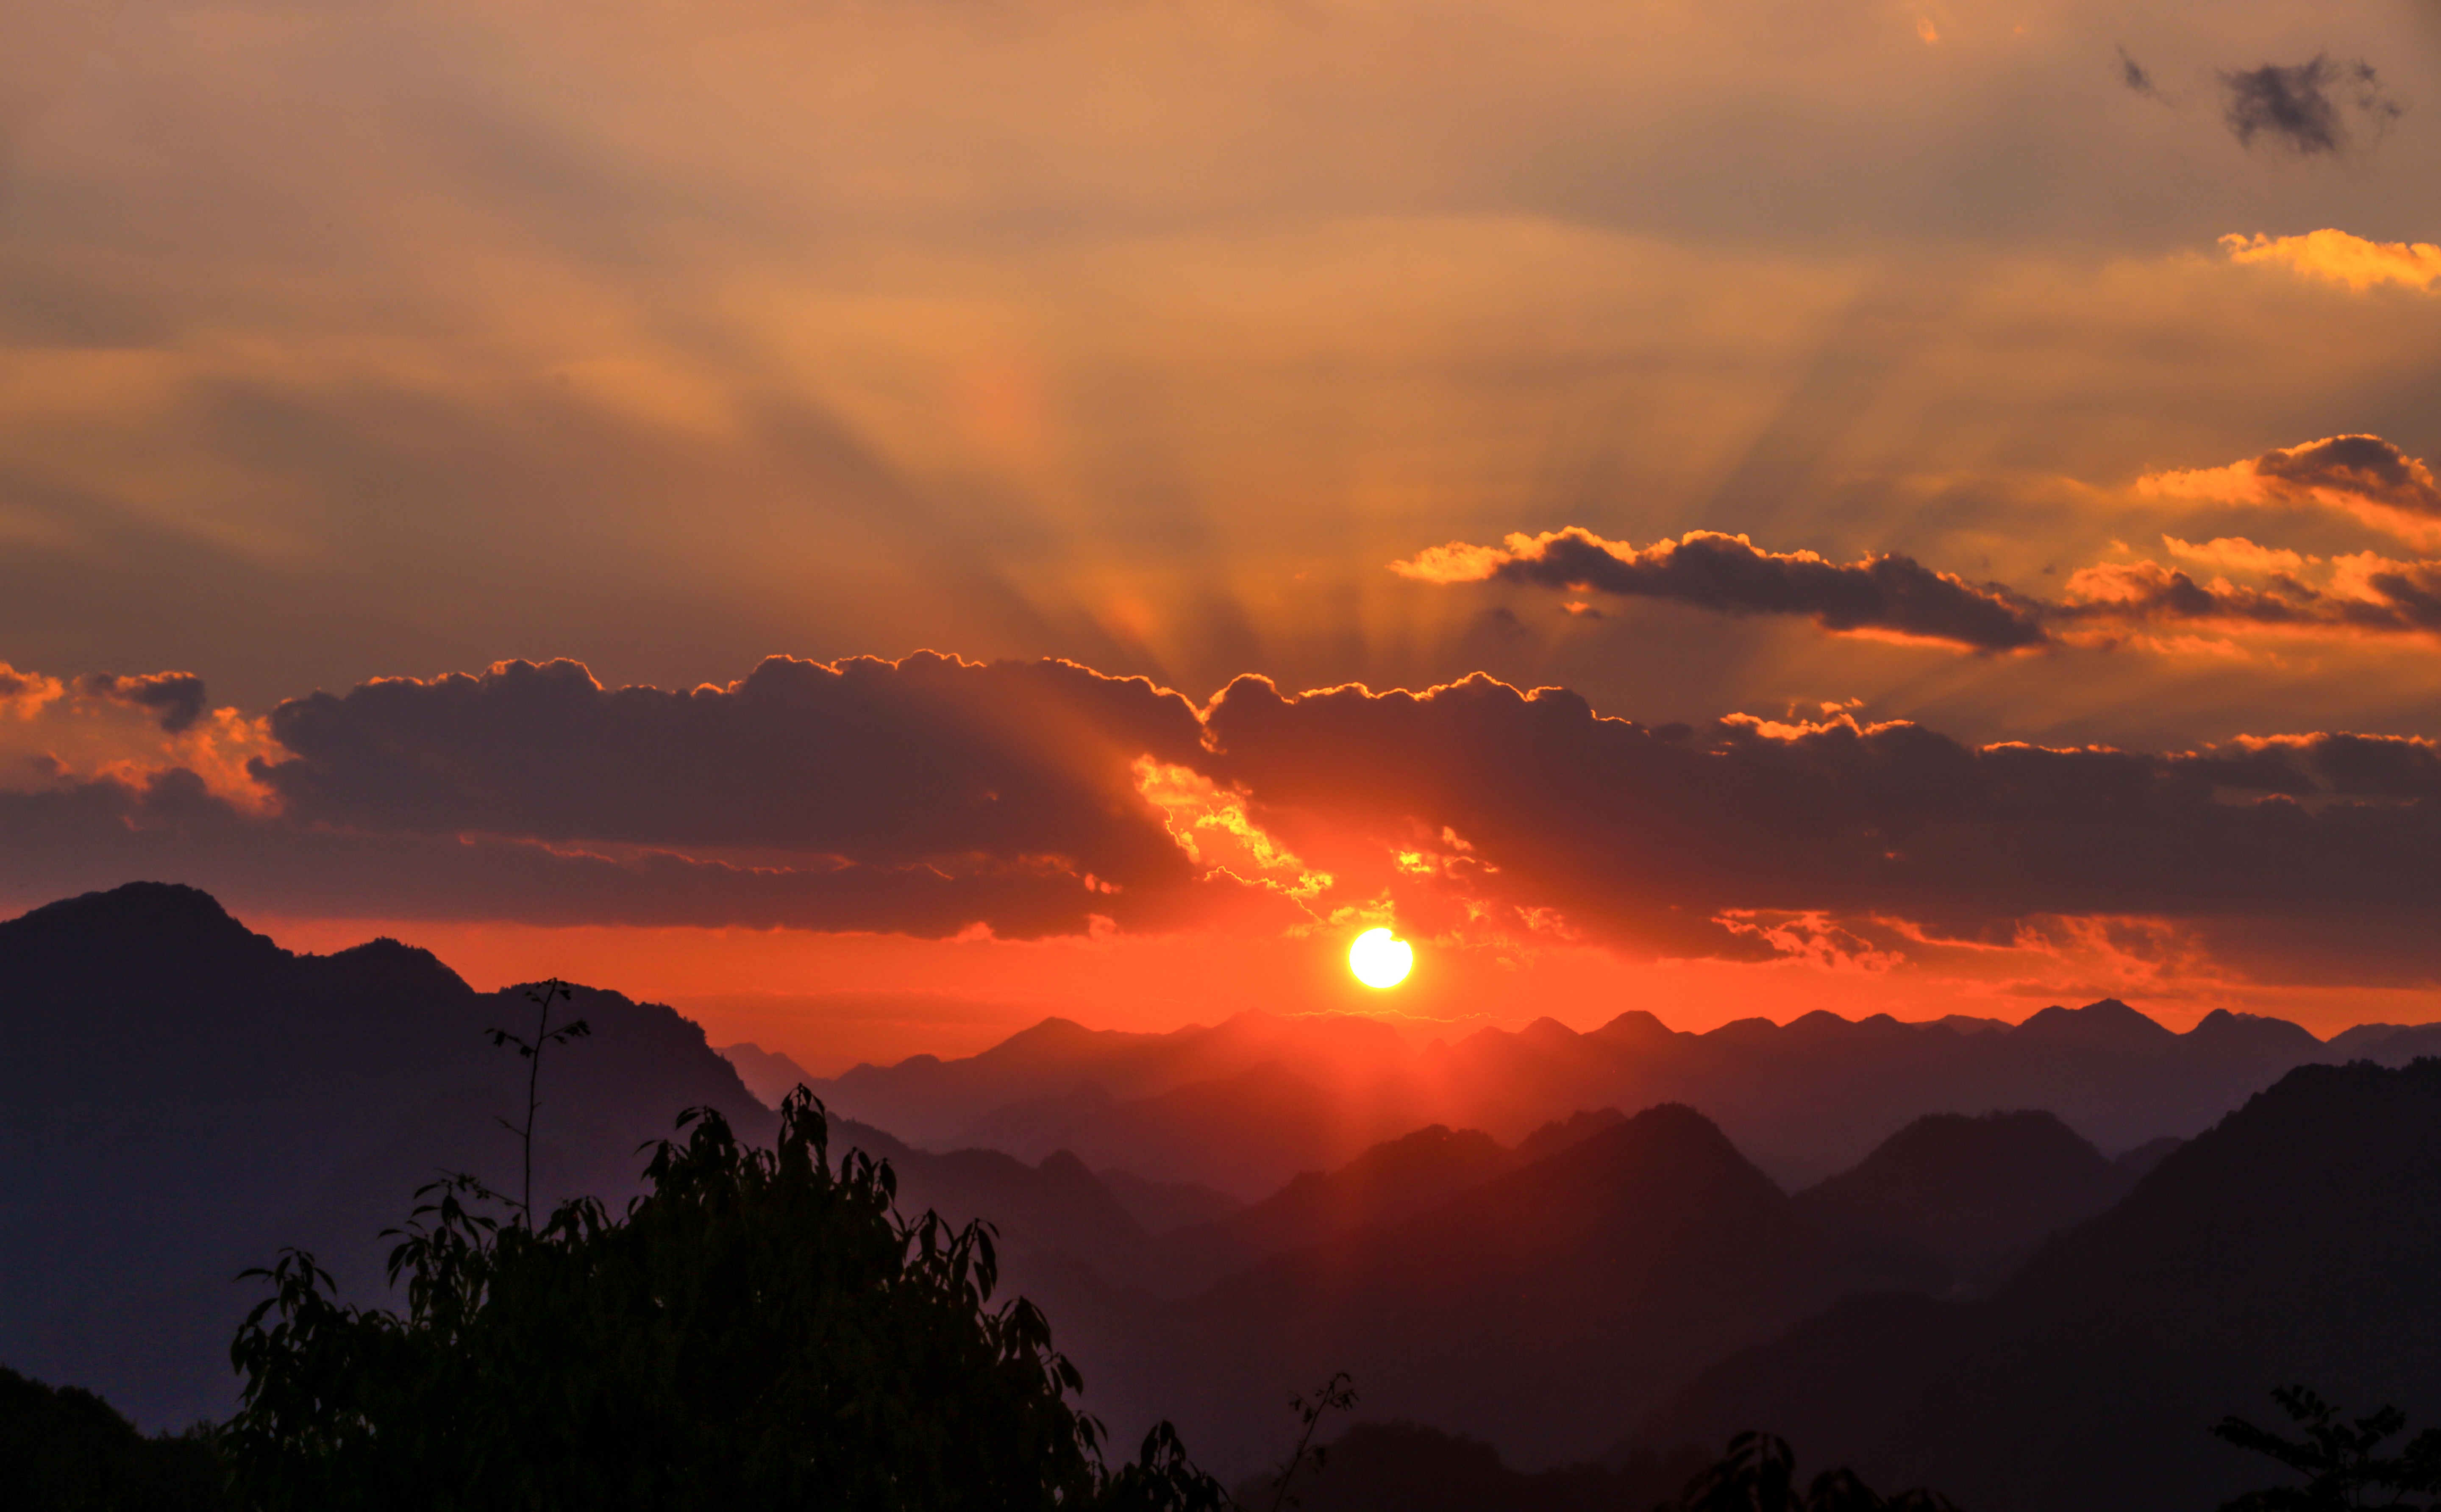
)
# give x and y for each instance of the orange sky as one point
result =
(2052, 392)
(832, 1000)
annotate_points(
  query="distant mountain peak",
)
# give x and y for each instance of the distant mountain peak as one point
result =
(2109, 1022)
(1636, 1026)
(2220, 1026)
(153, 905)
(136, 927)
(401, 963)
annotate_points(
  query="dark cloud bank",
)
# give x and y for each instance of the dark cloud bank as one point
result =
(931, 795)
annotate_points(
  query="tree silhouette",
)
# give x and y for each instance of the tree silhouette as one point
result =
(2338, 1458)
(1759, 1474)
(1336, 1395)
(531, 1050)
(64, 1450)
(759, 1329)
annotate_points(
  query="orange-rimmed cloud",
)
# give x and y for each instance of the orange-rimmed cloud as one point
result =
(938, 798)
(2337, 257)
(78, 727)
(1676, 842)
(2361, 594)
(2235, 553)
(1889, 595)
(2361, 475)
(1212, 826)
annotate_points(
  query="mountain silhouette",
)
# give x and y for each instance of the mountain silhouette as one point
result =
(2294, 1241)
(936, 1102)
(1052, 1210)
(1534, 1300)
(1973, 1196)
(1395, 1180)
(1406, 1466)
(180, 1097)
(1536, 1309)
(1245, 1135)
(1163, 1207)
(2388, 1044)
(1802, 1099)
(767, 1074)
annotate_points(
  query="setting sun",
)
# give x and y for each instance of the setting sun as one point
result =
(1379, 959)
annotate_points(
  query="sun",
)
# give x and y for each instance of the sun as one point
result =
(1380, 960)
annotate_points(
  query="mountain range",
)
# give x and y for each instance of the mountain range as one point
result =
(1979, 1300)
(2295, 1242)
(1281, 1095)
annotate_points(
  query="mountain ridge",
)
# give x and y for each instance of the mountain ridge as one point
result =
(1805, 1098)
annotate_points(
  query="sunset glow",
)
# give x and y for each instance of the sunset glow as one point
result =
(1160, 737)
(624, 495)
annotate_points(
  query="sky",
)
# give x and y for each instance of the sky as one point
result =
(876, 522)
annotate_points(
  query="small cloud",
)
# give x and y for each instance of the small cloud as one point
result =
(2300, 106)
(1887, 597)
(174, 699)
(2235, 553)
(2338, 258)
(2135, 77)
(2361, 475)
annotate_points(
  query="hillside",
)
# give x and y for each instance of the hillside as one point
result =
(2292, 1242)
(1393, 1181)
(1534, 1309)
(179, 1098)
(1973, 1196)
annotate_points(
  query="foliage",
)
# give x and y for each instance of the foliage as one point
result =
(1759, 1474)
(2338, 1458)
(760, 1329)
(64, 1450)
(1336, 1395)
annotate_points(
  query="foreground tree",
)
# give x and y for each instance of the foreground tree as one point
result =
(2339, 1458)
(1759, 1474)
(64, 1450)
(761, 1329)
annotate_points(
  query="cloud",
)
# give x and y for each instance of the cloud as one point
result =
(1650, 840)
(928, 796)
(96, 834)
(931, 797)
(2140, 592)
(2295, 107)
(2237, 554)
(176, 698)
(2364, 593)
(1888, 595)
(24, 694)
(2336, 256)
(2361, 475)
(2361, 594)
(2350, 765)
(930, 760)
(2133, 74)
